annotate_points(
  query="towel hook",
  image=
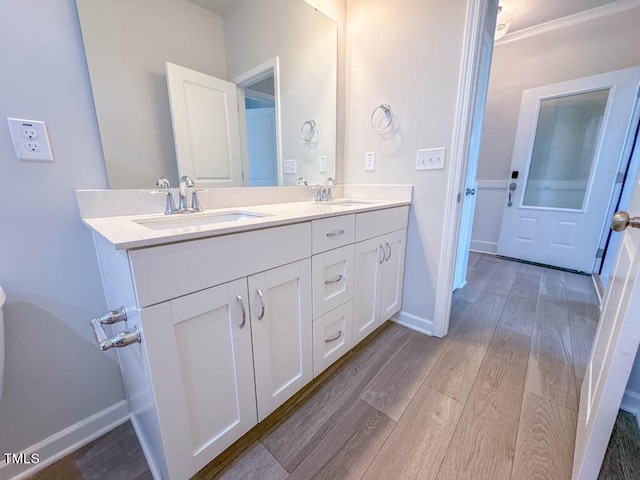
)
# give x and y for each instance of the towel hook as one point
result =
(310, 132)
(387, 113)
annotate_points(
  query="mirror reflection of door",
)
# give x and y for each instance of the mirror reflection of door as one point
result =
(260, 110)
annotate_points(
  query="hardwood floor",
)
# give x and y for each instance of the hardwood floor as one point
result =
(495, 399)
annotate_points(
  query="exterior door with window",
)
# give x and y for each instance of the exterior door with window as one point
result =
(567, 153)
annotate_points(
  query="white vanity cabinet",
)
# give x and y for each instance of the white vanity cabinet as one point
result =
(280, 304)
(378, 269)
(202, 375)
(234, 325)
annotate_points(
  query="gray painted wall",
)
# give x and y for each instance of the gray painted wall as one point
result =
(55, 376)
(406, 53)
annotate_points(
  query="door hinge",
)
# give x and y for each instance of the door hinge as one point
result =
(620, 177)
(600, 253)
(459, 197)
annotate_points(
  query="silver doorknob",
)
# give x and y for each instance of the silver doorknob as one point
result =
(621, 221)
(471, 191)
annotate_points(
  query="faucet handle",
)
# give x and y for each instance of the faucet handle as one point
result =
(330, 180)
(170, 205)
(195, 202)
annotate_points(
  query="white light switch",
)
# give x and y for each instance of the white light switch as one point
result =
(290, 166)
(430, 159)
(323, 164)
(370, 161)
(30, 140)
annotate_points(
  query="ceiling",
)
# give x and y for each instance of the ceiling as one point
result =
(219, 7)
(527, 13)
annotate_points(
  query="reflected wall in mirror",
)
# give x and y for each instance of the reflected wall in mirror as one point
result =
(281, 55)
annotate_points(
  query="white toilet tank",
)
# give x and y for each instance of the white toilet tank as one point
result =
(2, 299)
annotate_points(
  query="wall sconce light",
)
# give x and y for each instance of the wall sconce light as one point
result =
(503, 23)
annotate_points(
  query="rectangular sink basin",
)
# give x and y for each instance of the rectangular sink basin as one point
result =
(196, 219)
(350, 203)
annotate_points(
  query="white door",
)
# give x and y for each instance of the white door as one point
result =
(612, 355)
(567, 152)
(261, 147)
(392, 275)
(367, 281)
(281, 326)
(199, 349)
(206, 128)
(468, 196)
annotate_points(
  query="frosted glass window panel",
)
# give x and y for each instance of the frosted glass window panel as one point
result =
(564, 151)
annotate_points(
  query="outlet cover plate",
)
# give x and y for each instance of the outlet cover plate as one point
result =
(30, 140)
(370, 161)
(323, 164)
(290, 166)
(430, 159)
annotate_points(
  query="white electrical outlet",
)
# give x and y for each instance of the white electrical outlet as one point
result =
(323, 164)
(370, 161)
(30, 140)
(290, 166)
(430, 159)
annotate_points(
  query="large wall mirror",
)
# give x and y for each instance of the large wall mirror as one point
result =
(229, 92)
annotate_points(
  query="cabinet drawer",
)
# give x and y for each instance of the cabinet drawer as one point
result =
(170, 271)
(334, 232)
(331, 337)
(379, 222)
(332, 279)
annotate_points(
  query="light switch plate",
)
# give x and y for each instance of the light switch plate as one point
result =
(30, 140)
(290, 166)
(323, 164)
(430, 159)
(370, 161)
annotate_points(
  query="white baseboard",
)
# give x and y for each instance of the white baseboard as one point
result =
(484, 247)
(631, 403)
(60, 444)
(414, 322)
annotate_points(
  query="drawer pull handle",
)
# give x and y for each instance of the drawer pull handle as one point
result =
(261, 316)
(338, 279)
(335, 233)
(388, 257)
(381, 261)
(244, 312)
(329, 340)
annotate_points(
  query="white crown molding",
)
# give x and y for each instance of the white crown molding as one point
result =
(569, 21)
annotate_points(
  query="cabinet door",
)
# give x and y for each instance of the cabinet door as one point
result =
(369, 257)
(392, 274)
(200, 362)
(281, 326)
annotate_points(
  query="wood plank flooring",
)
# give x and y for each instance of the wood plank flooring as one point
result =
(497, 398)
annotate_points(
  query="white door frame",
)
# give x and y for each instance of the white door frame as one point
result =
(470, 188)
(260, 72)
(477, 13)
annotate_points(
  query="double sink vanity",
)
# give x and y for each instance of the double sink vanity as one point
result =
(238, 308)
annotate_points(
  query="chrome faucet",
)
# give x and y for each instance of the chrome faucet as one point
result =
(185, 182)
(323, 194)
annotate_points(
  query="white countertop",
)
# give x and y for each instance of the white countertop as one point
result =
(124, 233)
